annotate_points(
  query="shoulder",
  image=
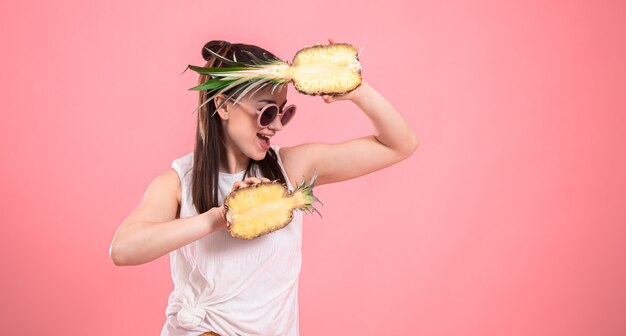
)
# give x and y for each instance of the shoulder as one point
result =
(183, 165)
(292, 164)
(166, 186)
(175, 175)
(294, 155)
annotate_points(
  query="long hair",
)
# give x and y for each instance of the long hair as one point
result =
(209, 145)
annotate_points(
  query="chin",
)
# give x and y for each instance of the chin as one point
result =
(259, 154)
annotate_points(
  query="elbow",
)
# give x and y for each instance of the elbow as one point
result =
(415, 144)
(412, 147)
(117, 255)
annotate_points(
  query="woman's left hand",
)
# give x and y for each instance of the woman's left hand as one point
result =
(346, 96)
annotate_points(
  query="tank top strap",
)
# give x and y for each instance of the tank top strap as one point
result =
(282, 167)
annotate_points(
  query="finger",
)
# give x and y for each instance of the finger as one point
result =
(253, 180)
(265, 179)
(239, 185)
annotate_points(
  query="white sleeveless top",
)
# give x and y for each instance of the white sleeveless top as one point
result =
(232, 286)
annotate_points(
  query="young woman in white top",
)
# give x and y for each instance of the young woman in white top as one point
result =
(223, 285)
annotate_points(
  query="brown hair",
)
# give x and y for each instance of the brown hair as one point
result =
(209, 144)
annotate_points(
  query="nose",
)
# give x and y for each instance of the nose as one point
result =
(276, 124)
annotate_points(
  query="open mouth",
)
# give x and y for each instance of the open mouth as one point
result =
(263, 141)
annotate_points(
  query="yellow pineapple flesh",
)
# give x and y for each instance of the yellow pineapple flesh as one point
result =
(326, 69)
(265, 207)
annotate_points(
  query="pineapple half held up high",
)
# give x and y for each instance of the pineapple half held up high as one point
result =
(330, 69)
(317, 70)
(265, 207)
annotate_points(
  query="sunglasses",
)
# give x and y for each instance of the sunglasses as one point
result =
(269, 112)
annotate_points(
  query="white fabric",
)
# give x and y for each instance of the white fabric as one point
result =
(232, 286)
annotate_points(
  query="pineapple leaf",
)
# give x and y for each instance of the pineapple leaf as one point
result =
(311, 209)
(226, 60)
(249, 87)
(210, 85)
(271, 59)
(255, 59)
(313, 178)
(276, 84)
(265, 82)
(199, 107)
(209, 71)
(318, 213)
(229, 97)
(230, 85)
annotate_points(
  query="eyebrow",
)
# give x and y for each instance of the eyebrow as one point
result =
(271, 101)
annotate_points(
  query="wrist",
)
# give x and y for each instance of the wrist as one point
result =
(215, 219)
(362, 93)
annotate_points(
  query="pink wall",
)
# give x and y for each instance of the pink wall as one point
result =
(508, 220)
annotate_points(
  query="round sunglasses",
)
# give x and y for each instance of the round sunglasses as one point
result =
(269, 112)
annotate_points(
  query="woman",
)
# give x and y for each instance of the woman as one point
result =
(223, 285)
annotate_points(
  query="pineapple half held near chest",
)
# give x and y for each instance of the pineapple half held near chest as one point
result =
(265, 207)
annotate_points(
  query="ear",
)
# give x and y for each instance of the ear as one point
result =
(223, 109)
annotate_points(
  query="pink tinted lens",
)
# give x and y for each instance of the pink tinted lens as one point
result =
(268, 115)
(288, 114)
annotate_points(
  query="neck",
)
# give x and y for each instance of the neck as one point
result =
(234, 161)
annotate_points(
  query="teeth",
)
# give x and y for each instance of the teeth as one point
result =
(265, 136)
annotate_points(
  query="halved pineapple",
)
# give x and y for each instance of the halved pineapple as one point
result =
(326, 69)
(265, 207)
(317, 70)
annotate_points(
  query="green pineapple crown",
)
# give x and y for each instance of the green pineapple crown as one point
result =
(248, 76)
(307, 193)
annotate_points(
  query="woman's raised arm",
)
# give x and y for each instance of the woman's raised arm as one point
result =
(393, 142)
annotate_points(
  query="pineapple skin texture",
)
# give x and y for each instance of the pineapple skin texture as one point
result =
(259, 209)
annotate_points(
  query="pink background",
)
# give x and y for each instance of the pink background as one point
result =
(508, 220)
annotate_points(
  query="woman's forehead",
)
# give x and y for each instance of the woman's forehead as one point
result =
(279, 96)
